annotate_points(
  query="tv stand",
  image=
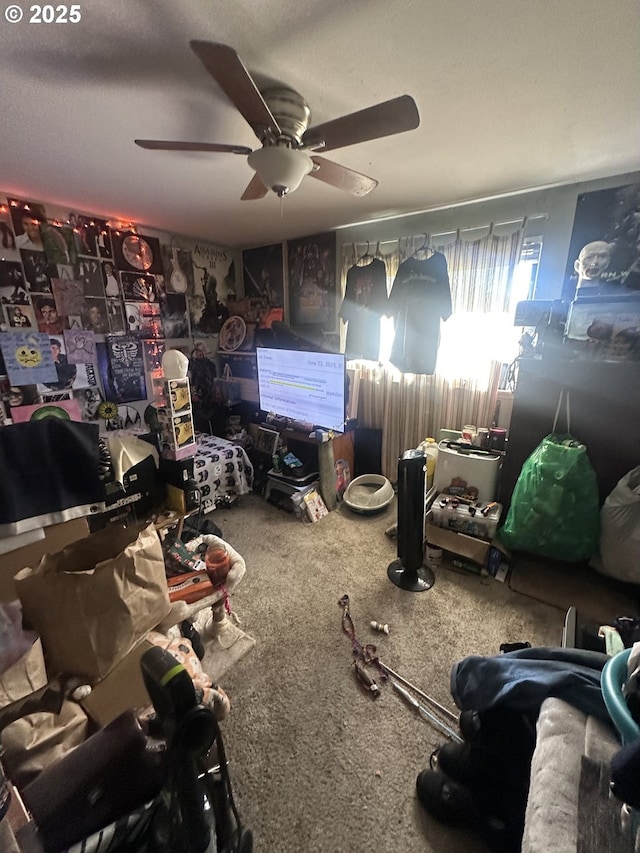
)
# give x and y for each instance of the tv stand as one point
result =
(317, 456)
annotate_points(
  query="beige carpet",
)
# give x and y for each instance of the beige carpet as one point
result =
(317, 765)
(596, 597)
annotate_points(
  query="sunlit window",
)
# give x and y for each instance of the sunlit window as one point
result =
(470, 341)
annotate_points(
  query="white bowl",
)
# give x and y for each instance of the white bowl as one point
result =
(368, 493)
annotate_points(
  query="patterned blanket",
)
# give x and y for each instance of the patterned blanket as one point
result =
(221, 469)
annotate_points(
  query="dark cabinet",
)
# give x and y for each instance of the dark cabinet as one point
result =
(605, 415)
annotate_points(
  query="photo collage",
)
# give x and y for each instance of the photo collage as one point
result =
(84, 312)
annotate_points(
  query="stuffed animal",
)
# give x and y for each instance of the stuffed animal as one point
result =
(207, 693)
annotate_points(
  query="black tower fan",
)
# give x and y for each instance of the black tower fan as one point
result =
(408, 571)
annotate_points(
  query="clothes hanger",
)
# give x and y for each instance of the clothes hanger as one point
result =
(365, 256)
(424, 248)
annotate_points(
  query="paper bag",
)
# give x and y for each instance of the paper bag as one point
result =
(94, 600)
(39, 740)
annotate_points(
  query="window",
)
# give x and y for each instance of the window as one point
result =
(471, 340)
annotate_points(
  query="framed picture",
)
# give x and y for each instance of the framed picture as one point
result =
(312, 279)
(267, 441)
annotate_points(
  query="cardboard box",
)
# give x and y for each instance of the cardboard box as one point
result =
(178, 438)
(481, 551)
(56, 536)
(179, 455)
(189, 587)
(177, 430)
(121, 689)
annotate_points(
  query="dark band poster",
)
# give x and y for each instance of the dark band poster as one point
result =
(125, 379)
(606, 224)
(312, 281)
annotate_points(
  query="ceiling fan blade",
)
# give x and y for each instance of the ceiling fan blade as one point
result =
(160, 145)
(256, 189)
(229, 72)
(385, 119)
(341, 177)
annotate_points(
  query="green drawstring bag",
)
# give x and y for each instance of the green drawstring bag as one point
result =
(555, 508)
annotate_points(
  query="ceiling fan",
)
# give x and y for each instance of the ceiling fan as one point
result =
(280, 118)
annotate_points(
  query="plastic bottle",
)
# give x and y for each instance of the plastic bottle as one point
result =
(430, 449)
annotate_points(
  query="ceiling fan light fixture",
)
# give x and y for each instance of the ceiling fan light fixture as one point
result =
(280, 168)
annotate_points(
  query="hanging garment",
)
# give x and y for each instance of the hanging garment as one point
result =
(420, 298)
(364, 303)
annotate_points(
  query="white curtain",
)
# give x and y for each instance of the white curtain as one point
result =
(463, 389)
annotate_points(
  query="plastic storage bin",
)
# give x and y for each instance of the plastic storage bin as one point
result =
(472, 466)
(462, 519)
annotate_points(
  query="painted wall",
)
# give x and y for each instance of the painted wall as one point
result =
(550, 215)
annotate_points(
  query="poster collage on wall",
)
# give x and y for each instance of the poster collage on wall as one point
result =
(85, 309)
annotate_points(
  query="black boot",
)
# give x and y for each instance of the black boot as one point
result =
(494, 762)
(463, 761)
(455, 805)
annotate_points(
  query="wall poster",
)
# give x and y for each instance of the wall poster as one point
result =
(214, 282)
(122, 371)
(605, 242)
(28, 358)
(313, 282)
(263, 276)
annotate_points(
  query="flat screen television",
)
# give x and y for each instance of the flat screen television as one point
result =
(303, 386)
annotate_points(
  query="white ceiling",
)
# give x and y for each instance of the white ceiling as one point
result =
(512, 95)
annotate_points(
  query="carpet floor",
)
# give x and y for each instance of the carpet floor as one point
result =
(317, 764)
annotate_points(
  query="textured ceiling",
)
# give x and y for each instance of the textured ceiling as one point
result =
(512, 96)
